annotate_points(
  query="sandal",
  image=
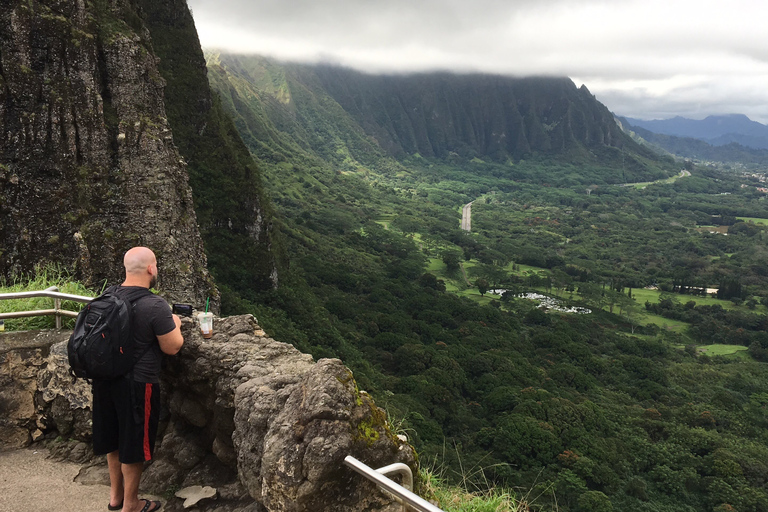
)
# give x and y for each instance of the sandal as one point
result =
(149, 504)
(115, 507)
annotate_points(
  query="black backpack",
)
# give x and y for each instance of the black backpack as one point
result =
(102, 344)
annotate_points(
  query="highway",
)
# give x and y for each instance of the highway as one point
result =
(466, 217)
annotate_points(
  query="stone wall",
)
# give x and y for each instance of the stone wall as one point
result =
(254, 418)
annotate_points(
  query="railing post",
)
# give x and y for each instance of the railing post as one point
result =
(56, 305)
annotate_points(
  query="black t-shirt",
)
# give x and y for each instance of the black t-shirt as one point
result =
(152, 317)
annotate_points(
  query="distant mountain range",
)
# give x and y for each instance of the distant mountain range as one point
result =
(715, 130)
(697, 149)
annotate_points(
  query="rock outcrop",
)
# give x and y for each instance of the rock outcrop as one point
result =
(88, 167)
(251, 417)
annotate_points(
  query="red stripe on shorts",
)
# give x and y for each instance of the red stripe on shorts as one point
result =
(147, 410)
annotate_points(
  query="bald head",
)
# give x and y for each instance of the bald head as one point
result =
(140, 267)
(137, 260)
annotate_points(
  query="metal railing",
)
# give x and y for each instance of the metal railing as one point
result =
(401, 493)
(52, 292)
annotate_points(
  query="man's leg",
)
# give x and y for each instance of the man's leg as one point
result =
(137, 441)
(115, 479)
(131, 477)
(106, 428)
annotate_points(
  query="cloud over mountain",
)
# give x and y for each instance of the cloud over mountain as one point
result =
(643, 59)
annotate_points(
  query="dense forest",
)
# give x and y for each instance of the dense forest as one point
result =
(627, 407)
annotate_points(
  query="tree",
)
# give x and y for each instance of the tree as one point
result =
(493, 274)
(630, 308)
(595, 501)
(560, 279)
(431, 281)
(482, 286)
(451, 260)
(592, 294)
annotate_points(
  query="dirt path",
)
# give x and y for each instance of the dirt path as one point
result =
(29, 481)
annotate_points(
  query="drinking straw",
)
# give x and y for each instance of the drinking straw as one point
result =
(206, 303)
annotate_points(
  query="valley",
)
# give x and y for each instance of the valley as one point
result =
(638, 404)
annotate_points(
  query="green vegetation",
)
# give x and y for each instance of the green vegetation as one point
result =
(721, 350)
(753, 220)
(452, 498)
(41, 279)
(616, 409)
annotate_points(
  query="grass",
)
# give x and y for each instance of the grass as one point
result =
(721, 350)
(646, 318)
(474, 294)
(641, 295)
(42, 278)
(754, 220)
(436, 265)
(457, 499)
(524, 269)
(384, 220)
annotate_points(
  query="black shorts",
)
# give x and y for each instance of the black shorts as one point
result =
(125, 418)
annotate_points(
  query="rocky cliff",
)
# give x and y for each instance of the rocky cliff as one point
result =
(253, 418)
(232, 209)
(488, 116)
(89, 164)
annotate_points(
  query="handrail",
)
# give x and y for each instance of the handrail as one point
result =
(404, 471)
(52, 292)
(403, 495)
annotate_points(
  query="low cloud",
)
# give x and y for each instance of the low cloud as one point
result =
(646, 59)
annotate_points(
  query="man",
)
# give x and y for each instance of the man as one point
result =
(126, 409)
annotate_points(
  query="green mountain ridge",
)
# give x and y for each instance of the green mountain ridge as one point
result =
(440, 116)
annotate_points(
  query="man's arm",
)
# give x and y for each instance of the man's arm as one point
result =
(171, 343)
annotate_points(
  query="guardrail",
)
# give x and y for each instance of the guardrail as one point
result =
(402, 494)
(52, 292)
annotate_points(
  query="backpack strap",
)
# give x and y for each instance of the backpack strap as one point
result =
(132, 298)
(134, 295)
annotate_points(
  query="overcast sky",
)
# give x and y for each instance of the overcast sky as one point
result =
(650, 59)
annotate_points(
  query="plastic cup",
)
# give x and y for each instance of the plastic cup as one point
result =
(206, 324)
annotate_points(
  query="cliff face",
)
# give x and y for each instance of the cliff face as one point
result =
(234, 216)
(338, 114)
(491, 116)
(87, 163)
